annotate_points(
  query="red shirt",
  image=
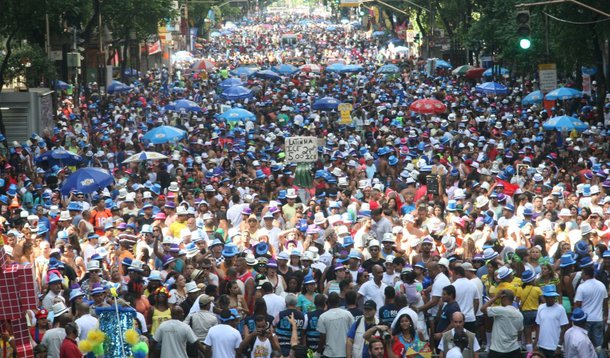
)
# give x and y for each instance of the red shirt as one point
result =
(69, 349)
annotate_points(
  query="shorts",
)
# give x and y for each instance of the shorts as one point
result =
(529, 318)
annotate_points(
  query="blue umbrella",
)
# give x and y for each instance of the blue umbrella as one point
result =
(565, 123)
(325, 104)
(492, 88)
(285, 69)
(243, 71)
(230, 82)
(61, 85)
(236, 92)
(388, 69)
(59, 156)
(87, 180)
(331, 28)
(183, 104)
(352, 68)
(215, 34)
(499, 70)
(237, 114)
(532, 98)
(267, 75)
(118, 87)
(164, 134)
(335, 67)
(378, 33)
(562, 93)
(443, 64)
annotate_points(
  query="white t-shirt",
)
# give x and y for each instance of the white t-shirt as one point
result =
(592, 294)
(261, 349)
(389, 279)
(275, 304)
(173, 336)
(371, 291)
(465, 294)
(550, 319)
(440, 281)
(479, 285)
(85, 324)
(224, 340)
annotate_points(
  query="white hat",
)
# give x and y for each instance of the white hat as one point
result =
(147, 195)
(291, 193)
(388, 237)
(459, 194)
(374, 242)
(191, 287)
(181, 210)
(93, 265)
(448, 242)
(319, 219)
(342, 231)
(65, 216)
(173, 186)
(481, 201)
(59, 308)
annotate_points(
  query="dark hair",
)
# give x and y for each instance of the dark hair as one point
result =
(450, 290)
(589, 271)
(397, 330)
(345, 283)
(389, 292)
(267, 287)
(400, 301)
(459, 270)
(333, 300)
(351, 297)
(260, 306)
(373, 341)
(320, 300)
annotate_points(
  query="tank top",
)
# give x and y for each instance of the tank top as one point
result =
(261, 349)
(158, 318)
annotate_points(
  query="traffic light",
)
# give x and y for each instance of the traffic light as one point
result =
(523, 29)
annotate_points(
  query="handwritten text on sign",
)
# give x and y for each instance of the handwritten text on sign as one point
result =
(301, 149)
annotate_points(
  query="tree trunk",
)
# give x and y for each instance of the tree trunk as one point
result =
(9, 51)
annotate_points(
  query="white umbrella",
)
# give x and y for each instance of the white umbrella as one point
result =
(144, 156)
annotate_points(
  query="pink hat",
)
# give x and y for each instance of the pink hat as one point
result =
(160, 216)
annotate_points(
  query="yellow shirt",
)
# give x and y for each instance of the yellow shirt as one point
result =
(158, 318)
(514, 285)
(175, 228)
(529, 296)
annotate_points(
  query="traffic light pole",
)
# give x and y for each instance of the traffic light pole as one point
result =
(552, 2)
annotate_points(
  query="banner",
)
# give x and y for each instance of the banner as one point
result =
(548, 77)
(154, 48)
(586, 84)
(301, 149)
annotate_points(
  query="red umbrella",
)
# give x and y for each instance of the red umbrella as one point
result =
(310, 67)
(474, 73)
(428, 106)
(204, 65)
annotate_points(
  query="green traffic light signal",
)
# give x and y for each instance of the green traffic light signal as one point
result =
(525, 43)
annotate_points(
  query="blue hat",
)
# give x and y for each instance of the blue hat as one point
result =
(126, 261)
(216, 242)
(156, 188)
(42, 229)
(234, 315)
(578, 315)
(92, 236)
(75, 293)
(383, 151)
(309, 279)
(261, 249)
(566, 260)
(606, 254)
(75, 206)
(230, 250)
(421, 265)
(54, 278)
(509, 207)
(393, 160)
(527, 276)
(451, 205)
(528, 212)
(581, 248)
(347, 241)
(586, 261)
(355, 255)
(55, 264)
(549, 291)
(97, 288)
(260, 174)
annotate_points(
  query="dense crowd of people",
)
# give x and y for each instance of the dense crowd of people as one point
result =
(469, 231)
